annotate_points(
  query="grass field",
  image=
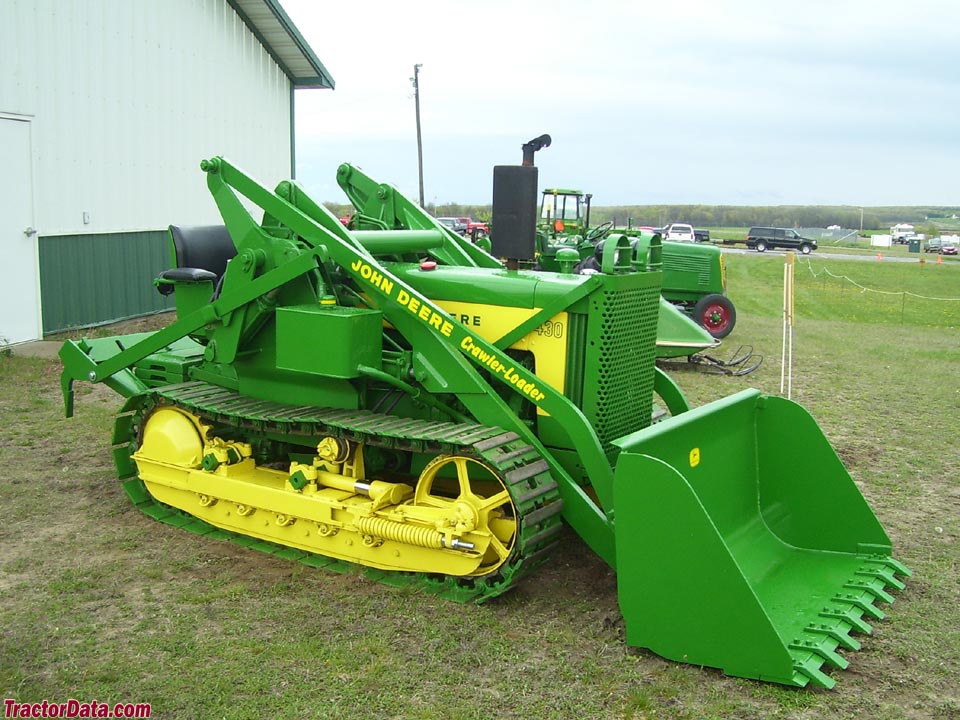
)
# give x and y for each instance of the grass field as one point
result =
(99, 602)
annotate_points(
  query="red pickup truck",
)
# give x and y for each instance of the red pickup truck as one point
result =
(471, 225)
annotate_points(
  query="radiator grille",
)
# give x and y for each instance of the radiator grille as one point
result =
(694, 266)
(620, 358)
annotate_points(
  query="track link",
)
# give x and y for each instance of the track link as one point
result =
(525, 473)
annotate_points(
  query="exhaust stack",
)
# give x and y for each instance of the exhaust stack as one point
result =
(515, 206)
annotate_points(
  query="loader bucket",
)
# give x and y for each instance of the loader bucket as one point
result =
(743, 544)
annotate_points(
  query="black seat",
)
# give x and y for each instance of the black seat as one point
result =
(202, 253)
(207, 247)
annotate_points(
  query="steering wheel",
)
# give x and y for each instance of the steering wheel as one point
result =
(599, 231)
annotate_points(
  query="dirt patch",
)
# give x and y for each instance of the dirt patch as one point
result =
(853, 455)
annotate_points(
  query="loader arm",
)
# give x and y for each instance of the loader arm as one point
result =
(435, 334)
(381, 206)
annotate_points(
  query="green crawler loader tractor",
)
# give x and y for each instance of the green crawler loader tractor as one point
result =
(394, 397)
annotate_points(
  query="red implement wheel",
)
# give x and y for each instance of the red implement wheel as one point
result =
(716, 314)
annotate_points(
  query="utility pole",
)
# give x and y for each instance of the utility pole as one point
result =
(416, 98)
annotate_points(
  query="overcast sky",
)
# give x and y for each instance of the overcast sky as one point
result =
(743, 102)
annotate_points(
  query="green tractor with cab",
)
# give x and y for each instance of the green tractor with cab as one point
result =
(694, 276)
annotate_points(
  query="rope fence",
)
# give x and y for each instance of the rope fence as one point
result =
(863, 288)
(905, 306)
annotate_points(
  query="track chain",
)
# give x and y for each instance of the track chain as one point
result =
(522, 468)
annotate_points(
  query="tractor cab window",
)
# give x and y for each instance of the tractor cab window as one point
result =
(546, 208)
(560, 207)
(569, 207)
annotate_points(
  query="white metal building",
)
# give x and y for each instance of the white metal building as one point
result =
(106, 109)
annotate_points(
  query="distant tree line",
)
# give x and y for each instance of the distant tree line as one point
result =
(847, 216)
(873, 218)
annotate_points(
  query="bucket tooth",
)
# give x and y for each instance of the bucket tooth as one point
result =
(886, 574)
(898, 567)
(864, 599)
(835, 632)
(849, 615)
(875, 587)
(866, 606)
(808, 670)
(822, 649)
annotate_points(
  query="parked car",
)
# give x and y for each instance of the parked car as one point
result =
(679, 232)
(701, 235)
(454, 224)
(475, 227)
(761, 238)
(901, 233)
(947, 247)
(933, 245)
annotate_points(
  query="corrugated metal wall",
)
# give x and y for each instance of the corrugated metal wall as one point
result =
(128, 97)
(91, 278)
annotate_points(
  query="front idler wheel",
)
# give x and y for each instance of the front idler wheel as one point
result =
(476, 500)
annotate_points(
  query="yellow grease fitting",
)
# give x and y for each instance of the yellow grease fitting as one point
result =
(694, 457)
